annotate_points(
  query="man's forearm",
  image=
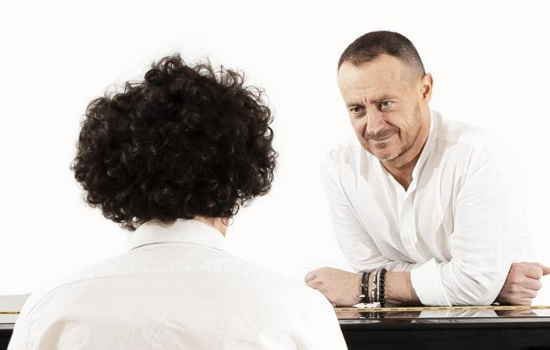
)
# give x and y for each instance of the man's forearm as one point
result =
(344, 288)
(399, 289)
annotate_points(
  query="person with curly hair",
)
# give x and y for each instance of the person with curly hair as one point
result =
(173, 158)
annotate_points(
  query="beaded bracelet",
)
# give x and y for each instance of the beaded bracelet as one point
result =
(381, 291)
(378, 280)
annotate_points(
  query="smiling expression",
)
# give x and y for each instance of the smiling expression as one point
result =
(387, 102)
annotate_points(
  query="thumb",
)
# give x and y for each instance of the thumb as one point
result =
(545, 269)
(309, 276)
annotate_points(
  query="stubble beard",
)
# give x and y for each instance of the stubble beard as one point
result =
(402, 151)
(405, 147)
(379, 152)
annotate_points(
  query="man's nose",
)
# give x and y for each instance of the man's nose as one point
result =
(375, 122)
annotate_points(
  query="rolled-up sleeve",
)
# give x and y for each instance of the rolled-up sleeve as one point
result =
(488, 224)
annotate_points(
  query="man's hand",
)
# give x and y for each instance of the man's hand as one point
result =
(522, 283)
(340, 287)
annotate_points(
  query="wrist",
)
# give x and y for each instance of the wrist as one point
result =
(399, 288)
(357, 287)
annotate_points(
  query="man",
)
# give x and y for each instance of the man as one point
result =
(173, 158)
(429, 200)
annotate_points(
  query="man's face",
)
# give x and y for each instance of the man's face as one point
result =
(387, 105)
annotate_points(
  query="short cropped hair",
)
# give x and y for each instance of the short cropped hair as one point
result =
(186, 141)
(369, 46)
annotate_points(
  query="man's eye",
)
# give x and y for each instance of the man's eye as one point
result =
(355, 110)
(385, 104)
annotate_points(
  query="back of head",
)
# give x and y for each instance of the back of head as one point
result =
(186, 141)
(369, 46)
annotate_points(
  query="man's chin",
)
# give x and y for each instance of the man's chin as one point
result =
(384, 156)
(382, 151)
(387, 158)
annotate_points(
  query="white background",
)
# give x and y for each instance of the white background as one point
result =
(490, 64)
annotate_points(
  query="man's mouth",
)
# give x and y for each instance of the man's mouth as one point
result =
(381, 138)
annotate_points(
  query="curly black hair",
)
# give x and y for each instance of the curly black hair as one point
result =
(186, 141)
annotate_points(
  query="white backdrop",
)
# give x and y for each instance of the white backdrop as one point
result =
(490, 65)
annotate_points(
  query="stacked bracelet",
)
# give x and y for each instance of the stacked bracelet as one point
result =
(381, 290)
(365, 288)
(374, 291)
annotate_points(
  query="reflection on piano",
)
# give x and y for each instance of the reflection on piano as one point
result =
(410, 328)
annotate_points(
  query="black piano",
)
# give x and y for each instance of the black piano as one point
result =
(425, 328)
(9, 307)
(461, 328)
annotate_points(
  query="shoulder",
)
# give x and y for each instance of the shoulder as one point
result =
(265, 277)
(469, 150)
(469, 144)
(304, 312)
(289, 294)
(465, 135)
(97, 270)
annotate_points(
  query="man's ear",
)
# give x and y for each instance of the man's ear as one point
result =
(426, 86)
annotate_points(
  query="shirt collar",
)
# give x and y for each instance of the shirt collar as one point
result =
(428, 146)
(181, 231)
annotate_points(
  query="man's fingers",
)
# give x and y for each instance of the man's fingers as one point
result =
(523, 297)
(322, 271)
(532, 284)
(312, 284)
(532, 270)
(310, 276)
(531, 294)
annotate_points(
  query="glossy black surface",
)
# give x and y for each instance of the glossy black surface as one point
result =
(448, 330)
(486, 329)
(451, 316)
(5, 335)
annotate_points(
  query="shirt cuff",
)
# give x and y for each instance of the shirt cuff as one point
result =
(426, 281)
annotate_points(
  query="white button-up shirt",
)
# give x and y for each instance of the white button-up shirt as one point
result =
(457, 228)
(177, 289)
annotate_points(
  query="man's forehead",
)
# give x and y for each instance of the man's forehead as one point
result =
(376, 79)
(381, 69)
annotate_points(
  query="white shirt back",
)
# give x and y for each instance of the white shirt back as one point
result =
(177, 289)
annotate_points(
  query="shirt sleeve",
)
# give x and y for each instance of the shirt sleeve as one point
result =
(355, 242)
(488, 227)
(19, 336)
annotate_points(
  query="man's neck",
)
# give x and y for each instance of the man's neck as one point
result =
(402, 173)
(402, 167)
(218, 223)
